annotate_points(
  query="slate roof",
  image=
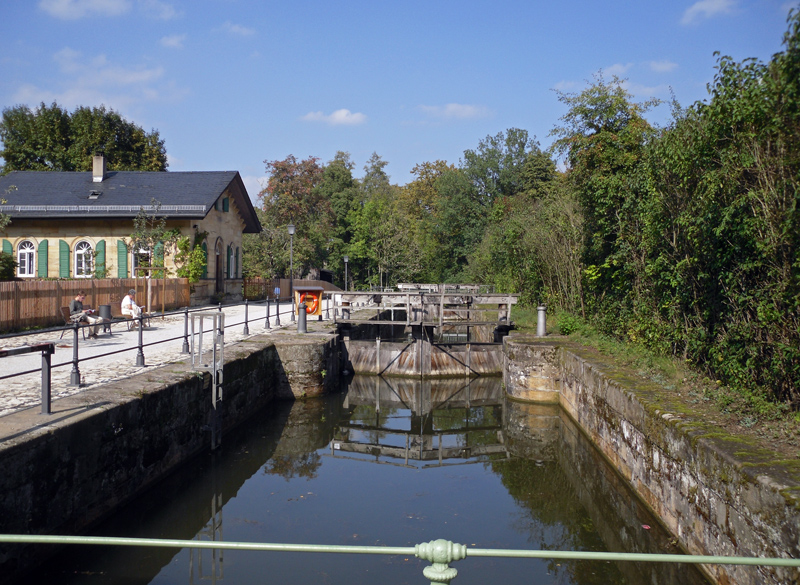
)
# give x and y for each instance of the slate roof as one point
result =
(60, 195)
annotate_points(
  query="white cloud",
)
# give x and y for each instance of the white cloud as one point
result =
(238, 30)
(94, 81)
(173, 41)
(644, 92)
(618, 69)
(663, 66)
(341, 117)
(159, 9)
(456, 111)
(75, 9)
(707, 9)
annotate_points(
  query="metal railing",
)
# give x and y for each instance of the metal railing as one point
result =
(75, 374)
(439, 552)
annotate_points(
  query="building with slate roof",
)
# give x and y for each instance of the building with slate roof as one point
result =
(61, 221)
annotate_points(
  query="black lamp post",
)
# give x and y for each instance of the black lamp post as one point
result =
(290, 227)
(346, 260)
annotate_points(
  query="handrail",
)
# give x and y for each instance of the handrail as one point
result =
(76, 361)
(440, 552)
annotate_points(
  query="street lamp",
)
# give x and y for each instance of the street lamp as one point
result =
(346, 260)
(290, 227)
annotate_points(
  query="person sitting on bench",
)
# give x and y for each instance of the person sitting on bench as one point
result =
(78, 313)
(129, 307)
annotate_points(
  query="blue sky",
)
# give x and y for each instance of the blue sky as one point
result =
(232, 83)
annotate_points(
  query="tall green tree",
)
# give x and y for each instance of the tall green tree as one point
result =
(338, 186)
(291, 196)
(51, 139)
(603, 137)
(382, 250)
(722, 230)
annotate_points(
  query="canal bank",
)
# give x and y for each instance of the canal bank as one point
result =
(717, 493)
(99, 448)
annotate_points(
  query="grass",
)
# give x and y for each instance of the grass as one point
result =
(740, 412)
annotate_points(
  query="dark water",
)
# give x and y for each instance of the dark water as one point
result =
(365, 467)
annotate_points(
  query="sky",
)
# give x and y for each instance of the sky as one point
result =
(230, 84)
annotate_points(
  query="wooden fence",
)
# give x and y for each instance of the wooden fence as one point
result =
(38, 303)
(259, 289)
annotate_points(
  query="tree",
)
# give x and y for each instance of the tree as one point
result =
(418, 205)
(382, 249)
(603, 138)
(52, 139)
(341, 190)
(151, 240)
(190, 258)
(496, 167)
(266, 254)
(291, 196)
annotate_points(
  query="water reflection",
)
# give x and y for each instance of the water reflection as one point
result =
(445, 421)
(388, 462)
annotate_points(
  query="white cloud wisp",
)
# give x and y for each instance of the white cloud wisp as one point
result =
(707, 9)
(343, 117)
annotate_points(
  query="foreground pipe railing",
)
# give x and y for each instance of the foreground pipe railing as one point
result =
(440, 552)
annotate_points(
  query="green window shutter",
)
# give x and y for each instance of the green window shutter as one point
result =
(100, 258)
(7, 249)
(63, 259)
(226, 204)
(159, 252)
(205, 264)
(230, 262)
(122, 259)
(42, 260)
(236, 275)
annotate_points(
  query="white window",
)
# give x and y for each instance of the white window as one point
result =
(140, 258)
(26, 259)
(83, 260)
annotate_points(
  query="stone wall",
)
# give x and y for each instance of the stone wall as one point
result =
(717, 493)
(102, 447)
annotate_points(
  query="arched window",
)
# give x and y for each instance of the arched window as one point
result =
(140, 258)
(26, 259)
(83, 260)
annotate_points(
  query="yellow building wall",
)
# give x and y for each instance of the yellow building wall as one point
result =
(224, 229)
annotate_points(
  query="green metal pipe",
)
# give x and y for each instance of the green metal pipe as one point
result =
(633, 557)
(398, 550)
(216, 544)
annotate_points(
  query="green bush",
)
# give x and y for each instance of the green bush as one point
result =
(567, 323)
(8, 266)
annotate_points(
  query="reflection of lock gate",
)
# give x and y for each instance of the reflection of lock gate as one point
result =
(311, 309)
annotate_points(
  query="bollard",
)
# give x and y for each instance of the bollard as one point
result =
(75, 374)
(46, 353)
(541, 323)
(185, 348)
(278, 312)
(266, 321)
(140, 353)
(246, 330)
(301, 318)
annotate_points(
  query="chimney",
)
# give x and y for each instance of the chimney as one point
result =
(98, 168)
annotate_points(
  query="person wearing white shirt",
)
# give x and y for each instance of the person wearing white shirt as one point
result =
(129, 307)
